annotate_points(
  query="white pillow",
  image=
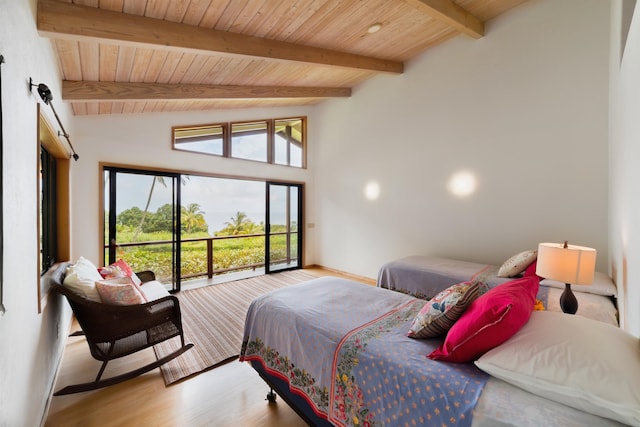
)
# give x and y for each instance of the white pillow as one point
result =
(517, 263)
(81, 278)
(602, 285)
(588, 365)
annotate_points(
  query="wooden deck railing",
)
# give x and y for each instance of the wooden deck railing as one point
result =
(211, 271)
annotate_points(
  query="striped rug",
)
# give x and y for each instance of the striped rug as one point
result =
(213, 320)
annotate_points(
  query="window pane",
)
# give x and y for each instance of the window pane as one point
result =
(202, 139)
(293, 208)
(289, 142)
(230, 210)
(144, 229)
(280, 152)
(296, 155)
(249, 141)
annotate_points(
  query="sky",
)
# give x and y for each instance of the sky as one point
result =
(219, 198)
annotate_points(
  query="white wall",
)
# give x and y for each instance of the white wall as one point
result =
(145, 140)
(30, 343)
(524, 109)
(624, 222)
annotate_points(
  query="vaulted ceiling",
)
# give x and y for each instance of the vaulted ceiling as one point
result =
(126, 56)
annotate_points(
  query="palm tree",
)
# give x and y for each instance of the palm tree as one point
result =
(192, 217)
(159, 179)
(240, 224)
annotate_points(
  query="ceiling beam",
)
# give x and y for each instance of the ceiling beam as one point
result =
(66, 20)
(113, 91)
(447, 12)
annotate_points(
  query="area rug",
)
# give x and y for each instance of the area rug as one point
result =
(213, 320)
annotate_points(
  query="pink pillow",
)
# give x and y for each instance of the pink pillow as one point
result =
(489, 321)
(120, 291)
(531, 270)
(118, 269)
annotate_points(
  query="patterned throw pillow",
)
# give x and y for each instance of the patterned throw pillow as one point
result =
(118, 269)
(517, 263)
(441, 312)
(120, 291)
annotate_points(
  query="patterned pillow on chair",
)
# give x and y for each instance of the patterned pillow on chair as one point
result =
(119, 269)
(120, 291)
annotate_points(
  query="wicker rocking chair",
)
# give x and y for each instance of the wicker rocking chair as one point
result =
(114, 331)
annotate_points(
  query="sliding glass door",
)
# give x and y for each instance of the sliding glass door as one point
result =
(222, 228)
(282, 232)
(195, 230)
(142, 221)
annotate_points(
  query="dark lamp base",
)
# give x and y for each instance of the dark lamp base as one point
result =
(568, 301)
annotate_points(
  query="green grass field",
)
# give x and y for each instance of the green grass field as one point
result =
(227, 253)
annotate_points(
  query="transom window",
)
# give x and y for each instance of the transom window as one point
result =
(207, 139)
(275, 141)
(249, 141)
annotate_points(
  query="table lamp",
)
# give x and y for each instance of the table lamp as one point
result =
(570, 264)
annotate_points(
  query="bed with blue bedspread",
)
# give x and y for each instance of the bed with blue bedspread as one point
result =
(338, 352)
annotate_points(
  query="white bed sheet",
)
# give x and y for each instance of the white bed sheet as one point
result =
(504, 405)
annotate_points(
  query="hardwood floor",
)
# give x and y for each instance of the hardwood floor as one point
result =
(230, 395)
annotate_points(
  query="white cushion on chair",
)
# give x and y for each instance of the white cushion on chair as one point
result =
(81, 277)
(154, 290)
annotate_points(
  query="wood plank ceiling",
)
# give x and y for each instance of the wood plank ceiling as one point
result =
(134, 56)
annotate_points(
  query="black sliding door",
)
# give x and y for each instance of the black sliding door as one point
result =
(283, 234)
(142, 222)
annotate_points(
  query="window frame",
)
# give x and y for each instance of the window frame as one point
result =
(268, 131)
(303, 143)
(179, 175)
(225, 137)
(227, 131)
(49, 139)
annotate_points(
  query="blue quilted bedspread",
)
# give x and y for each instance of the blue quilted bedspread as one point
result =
(343, 347)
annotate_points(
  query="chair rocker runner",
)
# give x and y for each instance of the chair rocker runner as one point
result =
(114, 331)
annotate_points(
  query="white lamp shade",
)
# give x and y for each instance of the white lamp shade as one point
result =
(574, 264)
